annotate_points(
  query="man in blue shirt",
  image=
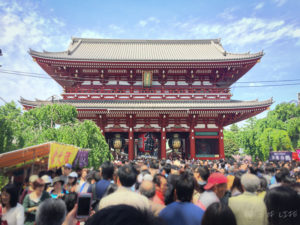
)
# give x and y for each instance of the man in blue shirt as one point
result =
(183, 211)
(107, 172)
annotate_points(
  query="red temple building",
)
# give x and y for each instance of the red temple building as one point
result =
(153, 94)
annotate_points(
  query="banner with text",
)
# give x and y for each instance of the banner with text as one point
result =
(82, 159)
(61, 155)
(280, 156)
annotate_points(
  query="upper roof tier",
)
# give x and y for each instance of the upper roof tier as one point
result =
(82, 49)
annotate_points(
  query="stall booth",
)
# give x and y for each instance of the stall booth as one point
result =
(21, 163)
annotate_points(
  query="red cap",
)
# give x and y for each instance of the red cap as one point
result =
(215, 178)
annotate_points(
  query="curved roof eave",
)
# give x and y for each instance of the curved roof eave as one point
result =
(114, 106)
(47, 56)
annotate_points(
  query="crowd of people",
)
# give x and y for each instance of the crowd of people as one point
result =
(149, 192)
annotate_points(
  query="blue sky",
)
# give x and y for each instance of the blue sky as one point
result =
(248, 25)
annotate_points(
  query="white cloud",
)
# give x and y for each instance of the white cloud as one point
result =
(147, 21)
(243, 31)
(116, 29)
(259, 6)
(143, 23)
(22, 29)
(228, 13)
(279, 3)
(89, 34)
(153, 19)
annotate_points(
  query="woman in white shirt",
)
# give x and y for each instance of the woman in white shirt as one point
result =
(12, 211)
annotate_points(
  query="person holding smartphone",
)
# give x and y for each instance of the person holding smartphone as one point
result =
(81, 211)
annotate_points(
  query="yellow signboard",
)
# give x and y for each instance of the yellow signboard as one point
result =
(147, 78)
(61, 155)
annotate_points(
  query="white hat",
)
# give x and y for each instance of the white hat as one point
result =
(73, 174)
(33, 178)
(47, 179)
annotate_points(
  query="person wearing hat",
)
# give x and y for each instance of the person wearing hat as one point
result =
(28, 189)
(72, 182)
(215, 189)
(33, 200)
(58, 188)
(67, 169)
(48, 182)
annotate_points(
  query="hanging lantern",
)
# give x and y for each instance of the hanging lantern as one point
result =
(118, 143)
(175, 142)
(147, 142)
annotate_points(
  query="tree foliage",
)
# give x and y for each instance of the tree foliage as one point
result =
(231, 143)
(8, 126)
(279, 131)
(51, 123)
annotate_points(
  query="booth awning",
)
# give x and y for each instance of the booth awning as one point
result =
(22, 156)
(57, 154)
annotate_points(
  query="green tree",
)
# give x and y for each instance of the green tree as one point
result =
(231, 147)
(231, 140)
(55, 122)
(234, 128)
(278, 131)
(86, 135)
(247, 141)
(49, 116)
(285, 111)
(9, 114)
(293, 130)
(273, 139)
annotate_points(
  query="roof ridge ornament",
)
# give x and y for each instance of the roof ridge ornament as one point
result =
(72, 48)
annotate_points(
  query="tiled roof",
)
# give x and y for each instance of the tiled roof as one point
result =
(154, 104)
(81, 49)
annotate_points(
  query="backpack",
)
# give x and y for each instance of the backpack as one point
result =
(95, 200)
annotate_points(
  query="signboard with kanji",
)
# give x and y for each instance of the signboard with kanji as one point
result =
(147, 78)
(82, 159)
(280, 156)
(61, 155)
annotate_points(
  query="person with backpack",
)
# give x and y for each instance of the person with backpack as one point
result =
(98, 189)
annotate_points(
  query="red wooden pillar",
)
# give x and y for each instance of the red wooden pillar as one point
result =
(130, 144)
(192, 144)
(163, 151)
(221, 144)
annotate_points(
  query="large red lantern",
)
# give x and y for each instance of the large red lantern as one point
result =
(147, 142)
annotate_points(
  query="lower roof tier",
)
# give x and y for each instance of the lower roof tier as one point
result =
(228, 111)
(153, 104)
